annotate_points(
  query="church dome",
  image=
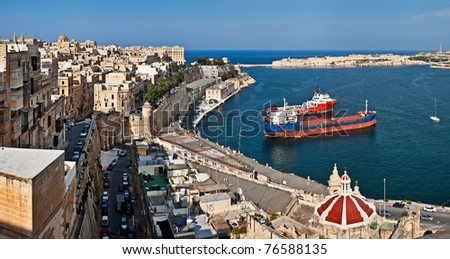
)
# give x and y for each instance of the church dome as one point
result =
(346, 209)
(63, 38)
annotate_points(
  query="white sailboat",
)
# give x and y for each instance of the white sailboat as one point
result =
(434, 117)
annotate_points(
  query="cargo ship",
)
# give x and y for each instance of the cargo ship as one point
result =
(282, 125)
(319, 105)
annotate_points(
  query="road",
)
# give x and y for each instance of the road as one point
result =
(116, 176)
(440, 222)
(72, 137)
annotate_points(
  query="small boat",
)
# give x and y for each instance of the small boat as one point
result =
(434, 117)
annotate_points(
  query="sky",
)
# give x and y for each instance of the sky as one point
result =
(237, 24)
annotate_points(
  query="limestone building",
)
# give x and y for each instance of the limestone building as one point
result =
(28, 116)
(344, 213)
(37, 194)
(118, 93)
(140, 124)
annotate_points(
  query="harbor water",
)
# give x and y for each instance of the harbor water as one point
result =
(405, 148)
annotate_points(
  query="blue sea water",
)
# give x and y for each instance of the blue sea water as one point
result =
(405, 148)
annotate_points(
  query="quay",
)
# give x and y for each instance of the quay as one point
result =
(223, 159)
(254, 65)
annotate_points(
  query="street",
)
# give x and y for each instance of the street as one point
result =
(440, 222)
(116, 179)
(72, 137)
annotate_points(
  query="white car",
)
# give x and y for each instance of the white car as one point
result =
(122, 152)
(105, 196)
(429, 209)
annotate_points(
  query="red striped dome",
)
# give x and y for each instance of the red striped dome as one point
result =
(345, 208)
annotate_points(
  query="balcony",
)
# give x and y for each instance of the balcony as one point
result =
(16, 100)
(16, 78)
(16, 127)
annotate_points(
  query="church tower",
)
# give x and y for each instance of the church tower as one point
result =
(334, 183)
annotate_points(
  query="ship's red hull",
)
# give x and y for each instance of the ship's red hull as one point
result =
(322, 131)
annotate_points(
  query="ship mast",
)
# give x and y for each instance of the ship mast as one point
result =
(367, 104)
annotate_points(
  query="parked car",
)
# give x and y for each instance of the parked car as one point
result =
(104, 206)
(429, 209)
(114, 161)
(122, 152)
(123, 223)
(77, 150)
(125, 182)
(105, 176)
(105, 196)
(110, 166)
(83, 133)
(81, 141)
(105, 221)
(126, 194)
(398, 204)
(384, 213)
(426, 217)
(120, 187)
(106, 183)
(87, 123)
(75, 157)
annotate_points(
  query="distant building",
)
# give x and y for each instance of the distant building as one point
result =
(118, 93)
(37, 194)
(220, 91)
(175, 53)
(209, 71)
(198, 88)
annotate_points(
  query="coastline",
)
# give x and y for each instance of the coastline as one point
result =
(244, 81)
(355, 60)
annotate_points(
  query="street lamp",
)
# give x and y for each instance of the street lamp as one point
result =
(384, 199)
(122, 96)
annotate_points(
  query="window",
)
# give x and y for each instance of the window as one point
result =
(62, 91)
(106, 104)
(34, 63)
(112, 96)
(112, 104)
(62, 82)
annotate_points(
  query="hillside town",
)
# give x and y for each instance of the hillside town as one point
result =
(100, 141)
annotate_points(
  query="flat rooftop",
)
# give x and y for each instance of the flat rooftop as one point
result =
(26, 163)
(200, 83)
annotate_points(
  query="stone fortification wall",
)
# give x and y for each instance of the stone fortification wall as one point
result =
(171, 109)
(89, 179)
